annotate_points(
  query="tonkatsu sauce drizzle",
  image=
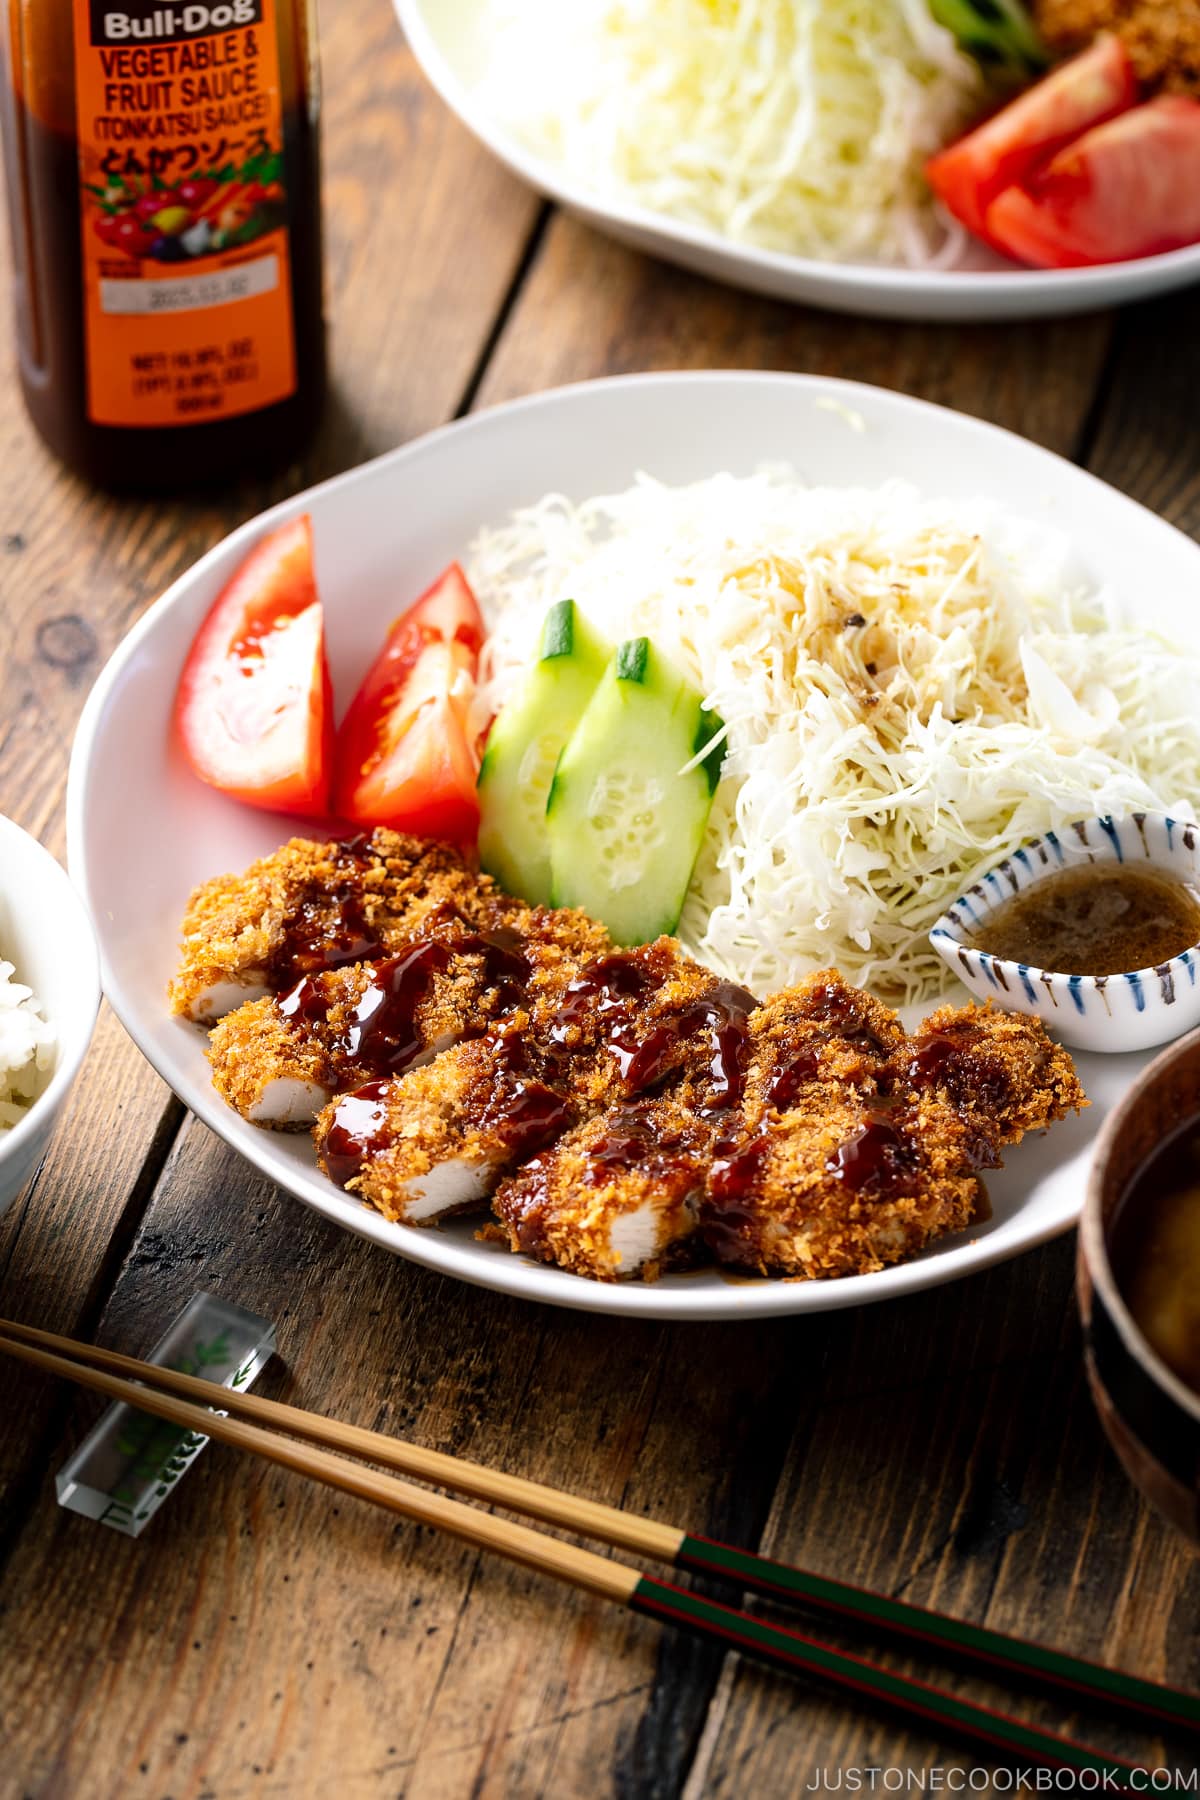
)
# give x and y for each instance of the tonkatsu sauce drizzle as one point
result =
(609, 984)
(323, 937)
(835, 1018)
(647, 1057)
(790, 1078)
(841, 1008)
(784, 1087)
(878, 1156)
(629, 1139)
(979, 1082)
(330, 927)
(505, 964)
(633, 1136)
(383, 1035)
(526, 1110)
(525, 1199)
(729, 1219)
(617, 990)
(359, 1131)
(737, 1162)
(932, 1060)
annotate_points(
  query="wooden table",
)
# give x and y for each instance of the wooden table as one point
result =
(263, 1638)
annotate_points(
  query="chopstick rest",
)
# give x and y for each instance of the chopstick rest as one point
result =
(131, 1462)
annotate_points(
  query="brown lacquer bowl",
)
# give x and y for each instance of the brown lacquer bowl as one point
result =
(1151, 1417)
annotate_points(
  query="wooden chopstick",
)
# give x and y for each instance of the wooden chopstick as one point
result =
(567, 1562)
(598, 1575)
(667, 1543)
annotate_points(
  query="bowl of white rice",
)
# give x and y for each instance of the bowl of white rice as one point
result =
(49, 995)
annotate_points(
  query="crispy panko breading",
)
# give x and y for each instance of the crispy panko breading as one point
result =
(839, 1188)
(615, 1198)
(279, 1059)
(1162, 36)
(267, 1071)
(436, 1141)
(858, 1145)
(313, 905)
(626, 1108)
(633, 1021)
(1000, 1070)
(821, 1031)
(579, 1048)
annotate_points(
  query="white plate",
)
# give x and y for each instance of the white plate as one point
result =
(448, 38)
(142, 831)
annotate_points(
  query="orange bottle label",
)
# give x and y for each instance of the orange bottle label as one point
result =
(186, 276)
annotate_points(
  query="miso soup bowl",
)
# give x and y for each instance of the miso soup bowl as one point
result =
(1151, 1417)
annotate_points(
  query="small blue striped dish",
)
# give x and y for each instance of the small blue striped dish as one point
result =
(1092, 1012)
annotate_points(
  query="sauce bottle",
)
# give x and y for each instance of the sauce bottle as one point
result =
(163, 188)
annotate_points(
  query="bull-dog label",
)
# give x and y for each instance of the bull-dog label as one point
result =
(184, 206)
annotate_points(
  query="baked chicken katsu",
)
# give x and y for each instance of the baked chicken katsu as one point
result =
(279, 1059)
(313, 906)
(620, 1111)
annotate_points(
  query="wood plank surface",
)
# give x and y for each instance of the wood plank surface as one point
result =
(265, 1638)
(591, 307)
(77, 567)
(423, 1661)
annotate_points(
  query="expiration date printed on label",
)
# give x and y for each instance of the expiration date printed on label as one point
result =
(190, 293)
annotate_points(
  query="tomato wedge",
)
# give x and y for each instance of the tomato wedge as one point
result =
(1006, 148)
(1129, 188)
(405, 756)
(254, 709)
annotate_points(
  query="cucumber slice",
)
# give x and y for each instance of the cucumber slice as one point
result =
(524, 746)
(625, 825)
(999, 34)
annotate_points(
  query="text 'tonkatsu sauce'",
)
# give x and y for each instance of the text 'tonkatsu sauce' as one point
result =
(163, 199)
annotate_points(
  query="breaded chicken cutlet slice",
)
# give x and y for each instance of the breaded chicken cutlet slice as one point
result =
(280, 1059)
(448, 1133)
(852, 1146)
(820, 1032)
(615, 1199)
(678, 1068)
(839, 1187)
(785, 1196)
(434, 1142)
(1000, 1070)
(311, 906)
(853, 1151)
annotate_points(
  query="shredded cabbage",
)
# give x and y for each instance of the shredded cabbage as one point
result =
(791, 125)
(911, 688)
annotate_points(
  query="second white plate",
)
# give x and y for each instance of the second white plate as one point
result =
(449, 40)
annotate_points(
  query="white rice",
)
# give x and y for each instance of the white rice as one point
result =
(27, 1046)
